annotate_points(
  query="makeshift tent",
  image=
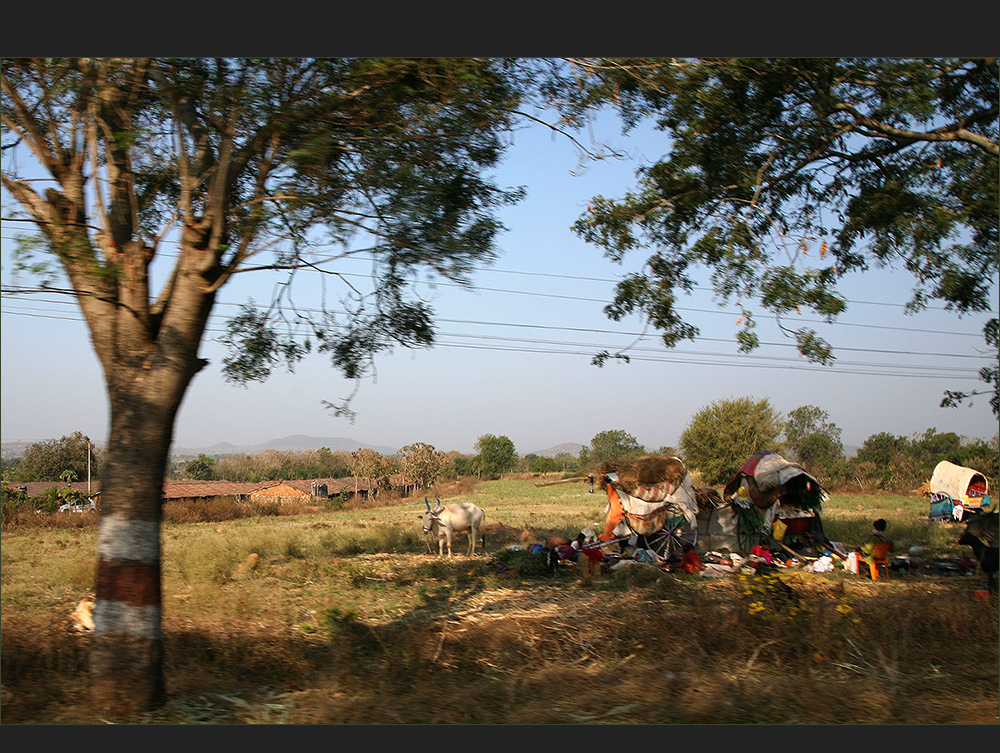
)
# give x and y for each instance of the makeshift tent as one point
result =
(771, 497)
(956, 490)
(719, 530)
(768, 478)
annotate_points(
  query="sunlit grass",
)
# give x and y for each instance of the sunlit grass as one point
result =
(848, 518)
(350, 617)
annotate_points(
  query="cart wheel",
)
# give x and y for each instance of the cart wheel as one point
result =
(659, 542)
(671, 539)
(689, 537)
(748, 532)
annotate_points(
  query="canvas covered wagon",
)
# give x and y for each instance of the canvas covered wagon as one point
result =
(957, 491)
(771, 498)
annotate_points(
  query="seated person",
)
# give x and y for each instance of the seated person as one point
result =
(878, 536)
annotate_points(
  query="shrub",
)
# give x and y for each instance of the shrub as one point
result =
(345, 626)
(638, 574)
(13, 504)
(525, 563)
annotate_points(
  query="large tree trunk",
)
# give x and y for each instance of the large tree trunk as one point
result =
(149, 362)
(126, 661)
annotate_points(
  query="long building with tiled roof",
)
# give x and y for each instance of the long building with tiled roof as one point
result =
(177, 490)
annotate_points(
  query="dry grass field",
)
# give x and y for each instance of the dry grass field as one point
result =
(347, 617)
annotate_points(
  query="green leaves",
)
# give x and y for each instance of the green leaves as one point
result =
(780, 176)
(497, 455)
(610, 445)
(722, 435)
(290, 154)
(27, 257)
(52, 459)
(255, 347)
(814, 440)
(422, 464)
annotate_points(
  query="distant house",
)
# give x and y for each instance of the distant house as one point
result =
(350, 486)
(282, 490)
(192, 491)
(403, 485)
(36, 488)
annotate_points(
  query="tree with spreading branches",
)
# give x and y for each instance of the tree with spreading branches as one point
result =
(782, 176)
(497, 455)
(804, 424)
(46, 461)
(370, 465)
(609, 446)
(422, 464)
(281, 165)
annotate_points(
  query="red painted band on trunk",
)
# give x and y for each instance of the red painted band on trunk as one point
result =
(134, 583)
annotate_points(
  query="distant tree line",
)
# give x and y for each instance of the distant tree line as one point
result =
(721, 436)
(562, 462)
(66, 459)
(270, 465)
(714, 444)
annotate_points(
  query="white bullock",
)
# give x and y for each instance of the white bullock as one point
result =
(450, 519)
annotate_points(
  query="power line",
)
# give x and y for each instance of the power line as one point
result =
(709, 354)
(26, 311)
(479, 288)
(19, 290)
(634, 351)
(647, 354)
(577, 278)
(701, 362)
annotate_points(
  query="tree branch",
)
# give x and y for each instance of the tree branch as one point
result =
(953, 132)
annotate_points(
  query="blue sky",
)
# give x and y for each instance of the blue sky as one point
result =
(513, 357)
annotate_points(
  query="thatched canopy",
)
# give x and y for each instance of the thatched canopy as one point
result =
(649, 470)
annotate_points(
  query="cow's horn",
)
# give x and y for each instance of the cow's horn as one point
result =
(427, 503)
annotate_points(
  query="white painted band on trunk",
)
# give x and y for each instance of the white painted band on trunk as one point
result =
(120, 539)
(114, 617)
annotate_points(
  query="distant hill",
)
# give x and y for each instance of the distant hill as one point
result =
(298, 443)
(569, 448)
(14, 449)
(293, 442)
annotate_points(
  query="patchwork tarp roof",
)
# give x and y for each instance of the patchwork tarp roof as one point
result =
(955, 480)
(771, 471)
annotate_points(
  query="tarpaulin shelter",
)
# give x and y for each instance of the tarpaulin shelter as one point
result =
(956, 490)
(771, 497)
